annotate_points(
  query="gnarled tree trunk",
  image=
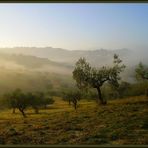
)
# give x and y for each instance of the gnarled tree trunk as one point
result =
(75, 103)
(22, 111)
(101, 100)
(13, 111)
(69, 101)
(146, 92)
(36, 110)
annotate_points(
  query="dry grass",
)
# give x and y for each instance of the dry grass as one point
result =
(120, 122)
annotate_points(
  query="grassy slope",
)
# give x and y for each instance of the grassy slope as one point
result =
(120, 122)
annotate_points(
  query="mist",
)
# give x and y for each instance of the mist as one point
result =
(25, 68)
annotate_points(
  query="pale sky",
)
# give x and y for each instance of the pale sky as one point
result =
(74, 26)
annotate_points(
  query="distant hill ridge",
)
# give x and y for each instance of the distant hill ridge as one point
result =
(63, 55)
(62, 61)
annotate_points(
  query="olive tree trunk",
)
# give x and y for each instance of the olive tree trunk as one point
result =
(100, 99)
(69, 101)
(75, 104)
(36, 110)
(22, 111)
(13, 111)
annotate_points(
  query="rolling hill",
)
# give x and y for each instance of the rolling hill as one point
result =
(62, 61)
(97, 57)
(32, 68)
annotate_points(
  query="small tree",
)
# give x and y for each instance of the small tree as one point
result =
(47, 100)
(73, 97)
(33, 101)
(76, 96)
(38, 100)
(87, 76)
(17, 99)
(67, 97)
(123, 89)
(38, 96)
(142, 74)
(10, 102)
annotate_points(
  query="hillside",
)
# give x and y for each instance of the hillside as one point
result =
(61, 61)
(96, 57)
(68, 56)
(23, 68)
(120, 122)
(31, 69)
(29, 62)
(29, 80)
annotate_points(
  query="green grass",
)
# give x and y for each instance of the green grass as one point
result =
(120, 122)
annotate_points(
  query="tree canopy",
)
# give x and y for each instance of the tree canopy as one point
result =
(73, 97)
(87, 76)
(141, 72)
(19, 100)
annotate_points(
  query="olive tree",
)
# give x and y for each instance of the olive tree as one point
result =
(67, 96)
(38, 100)
(87, 76)
(47, 100)
(10, 102)
(142, 74)
(122, 90)
(72, 97)
(17, 100)
(35, 101)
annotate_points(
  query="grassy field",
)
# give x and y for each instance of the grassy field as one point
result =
(120, 122)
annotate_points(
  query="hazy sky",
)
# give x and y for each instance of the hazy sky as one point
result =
(74, 26)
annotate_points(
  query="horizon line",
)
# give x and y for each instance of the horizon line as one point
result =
(61, 48)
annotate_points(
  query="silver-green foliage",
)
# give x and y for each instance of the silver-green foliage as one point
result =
(72, 96)
(87, 76)
(141, 72)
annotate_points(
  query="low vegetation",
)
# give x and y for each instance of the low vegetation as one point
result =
(120, 122)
